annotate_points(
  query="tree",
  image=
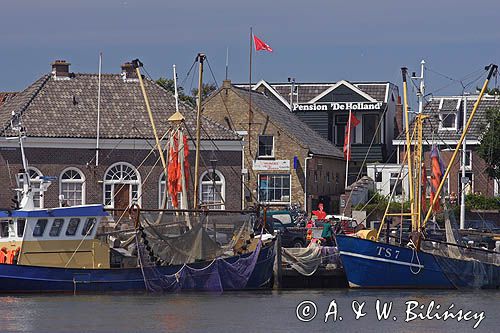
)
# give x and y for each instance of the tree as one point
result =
(168, 84)
(489, 149)
(206, 90)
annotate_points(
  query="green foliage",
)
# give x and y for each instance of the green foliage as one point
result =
(206, 90)
(489, 149)
(478, 201)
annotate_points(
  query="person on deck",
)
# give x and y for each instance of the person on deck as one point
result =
(327, 233)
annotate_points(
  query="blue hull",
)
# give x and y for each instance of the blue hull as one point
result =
(370, 264)
(34, 279)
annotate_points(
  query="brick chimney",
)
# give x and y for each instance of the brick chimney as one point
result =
(60, 69)
(128, 72)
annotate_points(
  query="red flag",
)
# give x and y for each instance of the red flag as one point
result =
(353, 122)
(260, 45)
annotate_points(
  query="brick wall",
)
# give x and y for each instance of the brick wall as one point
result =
(228, 107)
(51, 162)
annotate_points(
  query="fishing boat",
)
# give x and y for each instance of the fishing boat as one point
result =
(419, 262)
(69, 249)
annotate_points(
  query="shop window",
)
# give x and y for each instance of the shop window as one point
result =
(40, 227)
(266, 146)
(21, 224)
(72, 187)
(447, 121)
(212, 189)
(56, 228)
(4, 229)
(88, 226)
(72, 226)
(274, 188)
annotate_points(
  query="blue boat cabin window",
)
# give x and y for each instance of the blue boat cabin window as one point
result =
(89, 225)
(72, 226)
(21, 224)
(4, 228)
(56, 228)
(40, 227)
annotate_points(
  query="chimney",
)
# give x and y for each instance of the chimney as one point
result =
(60, 69)
(226, 84)
(128, 72)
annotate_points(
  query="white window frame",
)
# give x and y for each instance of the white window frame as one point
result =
(441, 114)
(468, 167)
(258, 147)
(73, 181)
(122, 181)
(271, 175)
(496, 187)
(36, 182)
(162, 186)
(221, 182)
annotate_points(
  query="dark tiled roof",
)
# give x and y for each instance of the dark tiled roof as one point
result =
(431, 130)
(307, 91)
(284, 119)
(5, 96)
(68, 108)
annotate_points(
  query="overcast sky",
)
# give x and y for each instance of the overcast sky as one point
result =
(313, 41)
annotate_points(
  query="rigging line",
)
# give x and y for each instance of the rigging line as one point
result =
(366, 155)
(231, 167)
(188, 73)
(211, 72)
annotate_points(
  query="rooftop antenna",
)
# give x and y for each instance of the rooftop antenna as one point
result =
(421, 89)
(227, 62)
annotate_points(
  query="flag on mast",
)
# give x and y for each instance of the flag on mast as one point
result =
(260, 45)
(351, 123)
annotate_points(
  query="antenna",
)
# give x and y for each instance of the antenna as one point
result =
(227, 62)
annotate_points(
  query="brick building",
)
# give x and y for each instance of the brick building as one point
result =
(285, 161)
(443, 128)
(59, 114)
(325, 108)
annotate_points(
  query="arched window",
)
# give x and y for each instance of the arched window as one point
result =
(72, 187)
(122, 186)
(212, 190)
(35, 180)
(161, 192)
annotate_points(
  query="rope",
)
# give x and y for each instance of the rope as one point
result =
(414, 254)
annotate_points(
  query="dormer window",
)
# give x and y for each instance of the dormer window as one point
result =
(448, 120)
(266, 146)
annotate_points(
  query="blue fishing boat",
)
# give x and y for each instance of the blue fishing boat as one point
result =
(420, 262)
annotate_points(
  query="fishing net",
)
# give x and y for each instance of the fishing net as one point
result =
(465, 267)
(307, 260)
(173, 258)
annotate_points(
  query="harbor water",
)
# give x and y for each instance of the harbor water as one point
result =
(258, 311)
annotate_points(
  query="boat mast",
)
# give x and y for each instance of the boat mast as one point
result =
(137, 64)
(464, 155)
(404, 71)
(98, 111)
(492, 69)
(200, 58)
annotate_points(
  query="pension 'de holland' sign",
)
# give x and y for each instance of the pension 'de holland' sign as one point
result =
(338, 106)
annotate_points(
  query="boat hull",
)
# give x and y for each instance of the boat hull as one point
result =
(36, 279)
(370, 264)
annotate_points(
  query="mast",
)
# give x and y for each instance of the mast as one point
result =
(250, 112)
(348, 148)
(98, 112)
(492, 69)
(464, 155)
(404, 71)
(137, 64)
(200, 58)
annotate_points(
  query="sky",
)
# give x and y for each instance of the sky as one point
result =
(313, 41)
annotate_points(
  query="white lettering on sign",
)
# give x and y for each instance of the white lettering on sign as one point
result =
(338, 106)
